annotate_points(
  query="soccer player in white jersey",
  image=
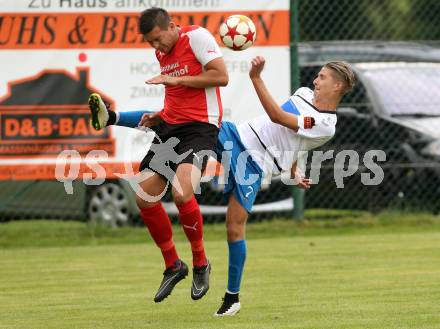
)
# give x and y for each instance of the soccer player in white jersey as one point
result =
(271, 144)
(306, 121)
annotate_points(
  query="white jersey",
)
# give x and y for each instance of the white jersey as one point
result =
(283, 143)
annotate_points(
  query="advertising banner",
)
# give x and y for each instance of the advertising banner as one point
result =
(54, 53)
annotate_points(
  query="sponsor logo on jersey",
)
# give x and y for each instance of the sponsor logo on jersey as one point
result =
(309, 122)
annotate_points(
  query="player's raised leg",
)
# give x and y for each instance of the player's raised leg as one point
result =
(101, 116)
(98, 110)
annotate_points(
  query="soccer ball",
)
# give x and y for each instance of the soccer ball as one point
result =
(238, 32)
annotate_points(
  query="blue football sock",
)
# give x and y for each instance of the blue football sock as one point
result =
(237, 257)
(131, 118)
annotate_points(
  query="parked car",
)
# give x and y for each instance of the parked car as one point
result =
(395, 108)
(366, 51)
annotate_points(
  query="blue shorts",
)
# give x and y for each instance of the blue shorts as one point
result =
(244, 175)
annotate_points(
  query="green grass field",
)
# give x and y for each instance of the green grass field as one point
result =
(358, 271)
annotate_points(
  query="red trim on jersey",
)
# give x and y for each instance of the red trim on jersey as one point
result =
(220, 106)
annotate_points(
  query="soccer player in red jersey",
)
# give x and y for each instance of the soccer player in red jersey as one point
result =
(192, 70)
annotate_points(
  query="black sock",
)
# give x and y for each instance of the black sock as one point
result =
(111, 118)
(232, 298)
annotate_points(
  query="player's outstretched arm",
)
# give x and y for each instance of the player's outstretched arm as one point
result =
(273, 110)
(214, 75)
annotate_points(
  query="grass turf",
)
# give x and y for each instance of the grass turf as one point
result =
(354, 272)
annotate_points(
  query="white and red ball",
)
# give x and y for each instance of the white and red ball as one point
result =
(238, 32)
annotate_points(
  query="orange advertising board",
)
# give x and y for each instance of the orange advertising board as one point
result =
(119, 30)
(53, 57)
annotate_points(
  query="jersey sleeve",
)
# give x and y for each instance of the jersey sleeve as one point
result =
(315, 131)
(316, 125)
(204, 46)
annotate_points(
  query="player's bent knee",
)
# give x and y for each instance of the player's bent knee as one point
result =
(233, 236)
(141, 203)
(235, 231)
(180, 198)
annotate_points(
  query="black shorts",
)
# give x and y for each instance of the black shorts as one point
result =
(174, 144)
